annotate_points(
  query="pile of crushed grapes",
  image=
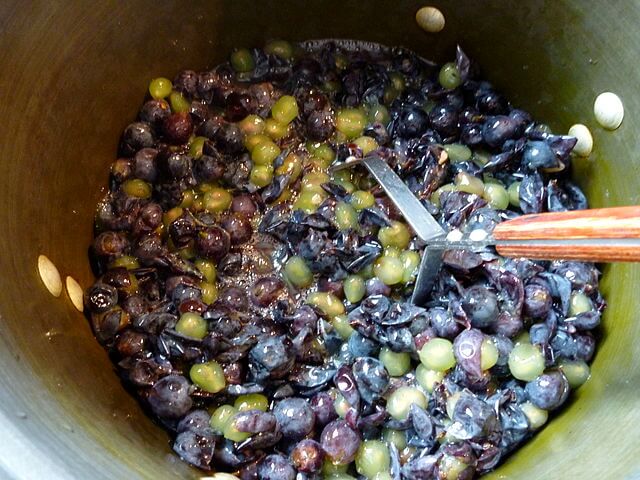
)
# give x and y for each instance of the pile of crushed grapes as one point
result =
(256, 302)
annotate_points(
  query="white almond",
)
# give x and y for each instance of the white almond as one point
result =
(585, 140)
(608, 110)
(76, 295)
(430, 19)
(220, 476)
(454, 235)
(50, 275)
(478, 235)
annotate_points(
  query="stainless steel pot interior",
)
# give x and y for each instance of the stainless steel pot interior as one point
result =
(72, 75)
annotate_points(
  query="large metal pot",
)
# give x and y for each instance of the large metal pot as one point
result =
(71, 77)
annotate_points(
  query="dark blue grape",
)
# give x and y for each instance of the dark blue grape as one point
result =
(492, 103)
(548, 391)
(473, 417)
(412, 122)
(371, 377)
(361, 346)
(444, 119)
(471, 134)
(378, 132)
(538, 154)
(585, 346)
(537, 301)
(136, 136)
(229, 138)
(443, 323)
(504, 346)
(421, 467)
(295, 417)
(178, 165)
(144, 164)
(195, 448)
(564, 345)
(481, 305)
(186, 81)
(498, 130)
(375, 308)
(304, 317)
(532, 193)
(182, 230)
(101, 297)
(272, 357)
(208, 168)
(195, 421)
(154, 112)
(539, 334)
(276, 467)
(228, 456)
(522, 119)
(169, 397)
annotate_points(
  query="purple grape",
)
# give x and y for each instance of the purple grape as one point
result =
(177, 128)
(234, 298)
(135, 305)
(239, 229)
(320, 125)
(244, 204)
(340, 442)
(266, 290)
(213, 243)
(304, 317)
(307, 456)
(130, 343)
(322, 405)
(254, 421)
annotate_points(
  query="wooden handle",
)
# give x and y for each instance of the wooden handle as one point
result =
(599, 235)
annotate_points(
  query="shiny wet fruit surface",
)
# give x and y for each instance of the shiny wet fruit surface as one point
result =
(256, 302)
